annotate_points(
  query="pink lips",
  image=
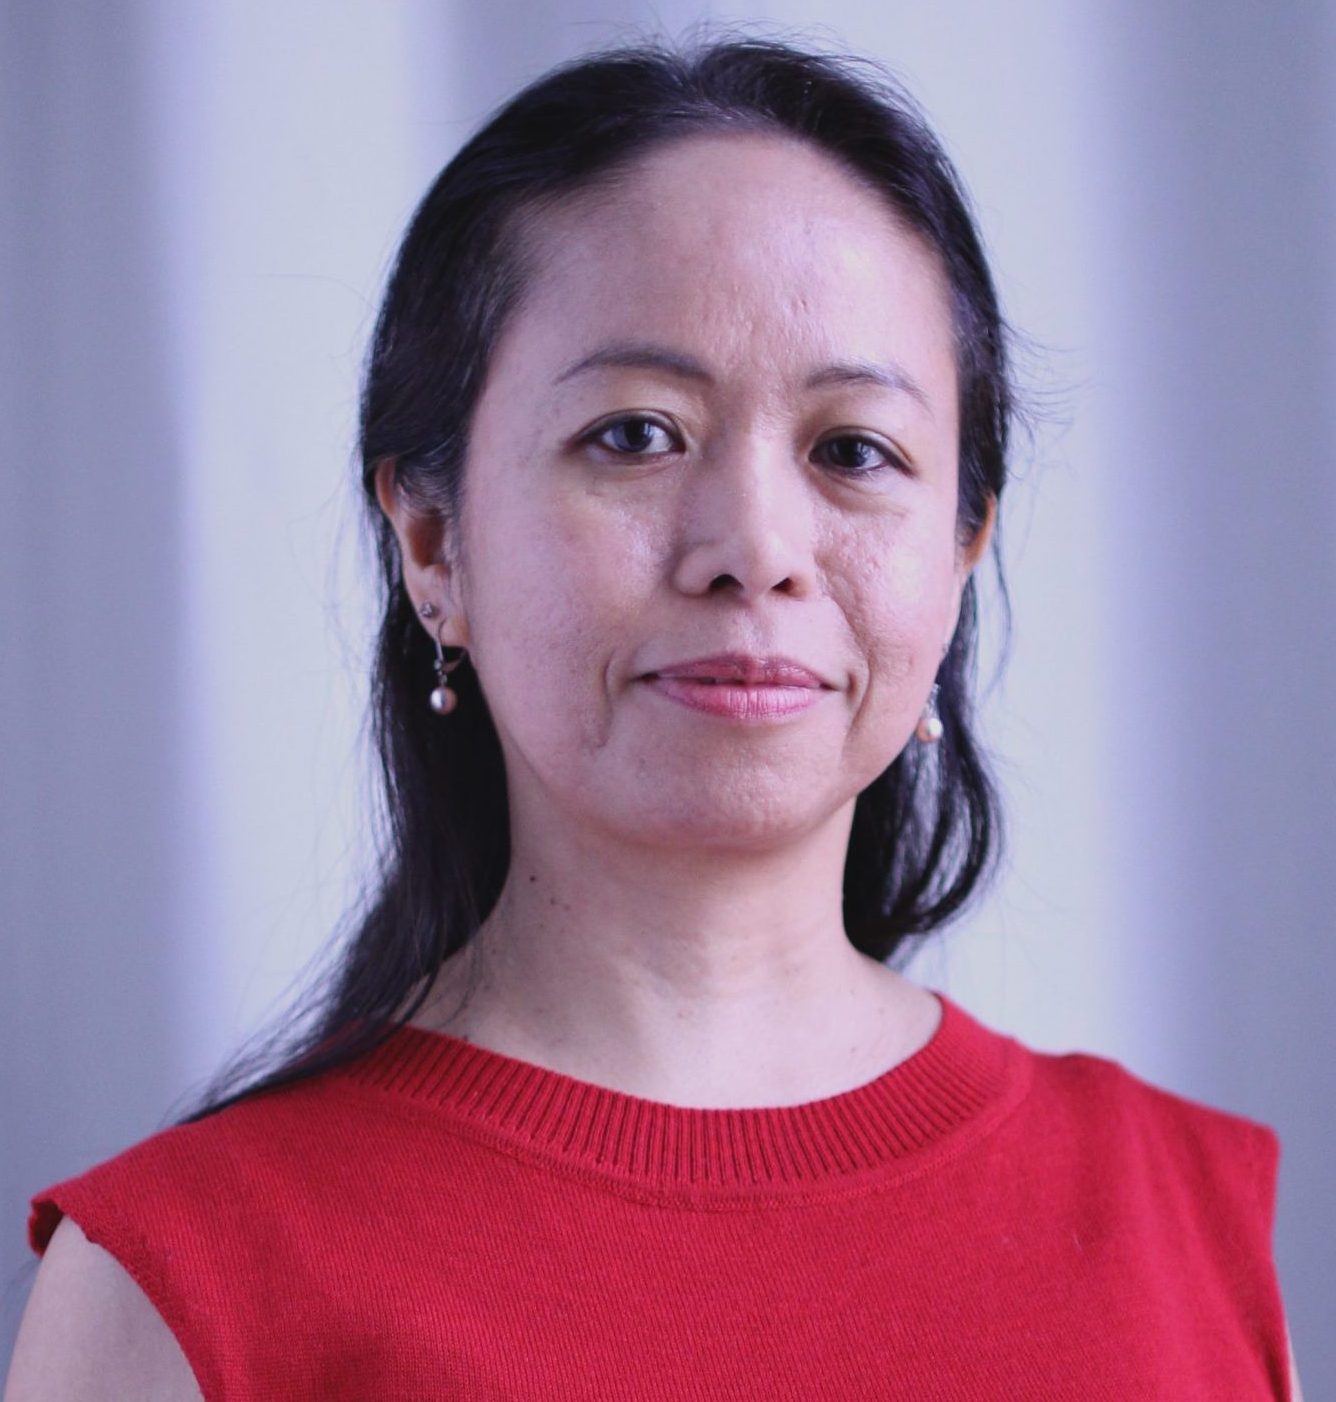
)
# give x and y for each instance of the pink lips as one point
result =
(740, 687)
(744, 670)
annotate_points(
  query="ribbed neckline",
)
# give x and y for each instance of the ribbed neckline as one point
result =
(960, 1082)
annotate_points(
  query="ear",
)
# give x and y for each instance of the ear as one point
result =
(428, 574)
(968, 556)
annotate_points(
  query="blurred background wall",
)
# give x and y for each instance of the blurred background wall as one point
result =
(197, 208)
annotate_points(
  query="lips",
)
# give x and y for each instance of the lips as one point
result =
(741, 669)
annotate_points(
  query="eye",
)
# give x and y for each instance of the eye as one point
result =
(636, 432)
(857, 456)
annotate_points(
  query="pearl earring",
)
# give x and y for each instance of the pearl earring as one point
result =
(929, 728)
(442, 698)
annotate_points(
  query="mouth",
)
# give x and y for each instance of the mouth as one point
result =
(736, 669)
(712, 681)
(739, 702)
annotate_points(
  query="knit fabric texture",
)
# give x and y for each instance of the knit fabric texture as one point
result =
(441, 1221)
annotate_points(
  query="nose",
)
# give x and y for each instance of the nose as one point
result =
(746, 523)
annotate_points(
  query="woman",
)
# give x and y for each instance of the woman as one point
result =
(684, 429)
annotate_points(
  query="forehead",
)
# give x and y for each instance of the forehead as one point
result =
(736, 247)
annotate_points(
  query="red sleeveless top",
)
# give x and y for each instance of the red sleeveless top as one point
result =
(440, 1221)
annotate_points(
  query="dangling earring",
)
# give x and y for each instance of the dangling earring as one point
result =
(442, 698)
(929, 728)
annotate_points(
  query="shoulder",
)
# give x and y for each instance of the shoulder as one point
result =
(171, 1248)
(1194, 1168)
(90, 1331)
(1109, 1102)
(229, 1176)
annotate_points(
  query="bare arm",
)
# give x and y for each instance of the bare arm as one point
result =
(90, 1333)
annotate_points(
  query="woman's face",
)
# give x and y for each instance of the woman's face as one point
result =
(723, 420)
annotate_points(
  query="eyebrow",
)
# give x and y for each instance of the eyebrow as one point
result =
(647, 356)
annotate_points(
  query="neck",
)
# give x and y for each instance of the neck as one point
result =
(690, 982)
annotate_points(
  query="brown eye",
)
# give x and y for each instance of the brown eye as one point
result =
(857, 456)
(631, 436)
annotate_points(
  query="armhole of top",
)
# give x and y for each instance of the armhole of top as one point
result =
(134, 1255)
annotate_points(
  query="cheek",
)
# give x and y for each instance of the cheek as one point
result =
(548, 608)
(900, 592)
(920, 588)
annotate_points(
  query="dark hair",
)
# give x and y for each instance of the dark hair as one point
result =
(926, 831)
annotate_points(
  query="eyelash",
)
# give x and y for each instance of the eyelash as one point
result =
(892, 460)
